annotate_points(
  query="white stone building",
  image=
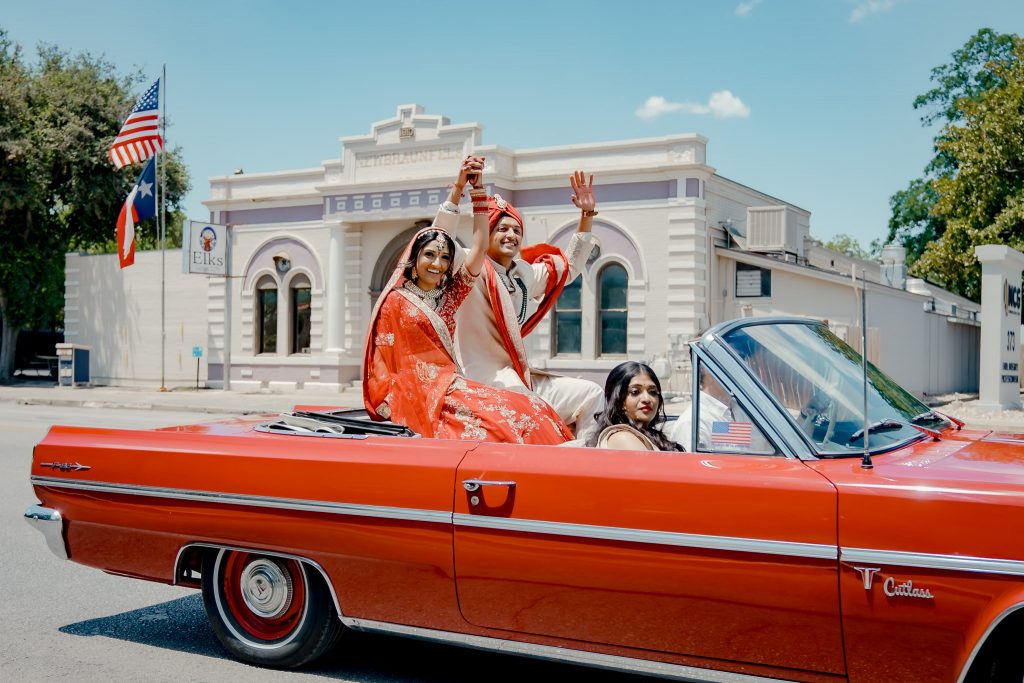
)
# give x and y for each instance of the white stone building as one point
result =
(682, 248)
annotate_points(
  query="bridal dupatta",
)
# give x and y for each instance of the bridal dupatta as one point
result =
(409, 353)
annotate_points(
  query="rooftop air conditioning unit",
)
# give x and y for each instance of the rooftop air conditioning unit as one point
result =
(773, 229)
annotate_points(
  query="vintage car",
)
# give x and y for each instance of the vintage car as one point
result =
(790, 542)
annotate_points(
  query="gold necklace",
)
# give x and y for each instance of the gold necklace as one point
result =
(431, 297)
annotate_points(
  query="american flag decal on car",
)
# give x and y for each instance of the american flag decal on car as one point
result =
(737, 433)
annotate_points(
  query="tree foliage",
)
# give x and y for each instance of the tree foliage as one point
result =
(983, 202)
(912, 223)
(977, 99)
(967, 76)
(847, 244)
(58, 189)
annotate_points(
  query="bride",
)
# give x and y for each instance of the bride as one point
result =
(410, 375)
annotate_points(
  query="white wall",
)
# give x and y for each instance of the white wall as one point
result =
(922, 351)
(117, 313)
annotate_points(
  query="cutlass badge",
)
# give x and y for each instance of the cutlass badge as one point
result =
(65, 466)
(905, 589)
(892, 589)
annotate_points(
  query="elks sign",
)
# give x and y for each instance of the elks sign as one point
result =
(204, 247)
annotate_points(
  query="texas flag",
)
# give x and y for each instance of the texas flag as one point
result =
(140, 205)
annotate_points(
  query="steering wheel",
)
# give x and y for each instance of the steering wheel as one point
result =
(817, 405)
(823, 405)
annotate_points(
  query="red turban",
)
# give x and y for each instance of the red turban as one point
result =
(497, 208)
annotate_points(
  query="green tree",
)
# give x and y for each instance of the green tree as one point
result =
(972, 72)
(847, 244)
(913, 224)
(58, 189)
(983, 202)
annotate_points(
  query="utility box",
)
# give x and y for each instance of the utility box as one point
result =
(774, 229)
(72, 365)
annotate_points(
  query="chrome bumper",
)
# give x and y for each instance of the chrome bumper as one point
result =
(51, 526)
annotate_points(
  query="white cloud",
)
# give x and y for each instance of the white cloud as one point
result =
(725, 105)
(722, 104)
(868, 8)
(744, 8)
(656, 106)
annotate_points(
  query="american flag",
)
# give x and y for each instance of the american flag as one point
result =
(731, 433)
(139, 139)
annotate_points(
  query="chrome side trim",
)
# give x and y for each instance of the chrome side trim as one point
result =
(958, 563)
(984, 637)
(743, 545)
(726, 543)
(328, 507)
(51, 525)
(676, 672)
(260, 551)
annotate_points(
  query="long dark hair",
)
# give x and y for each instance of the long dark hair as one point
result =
(422, 239)
(615, 390)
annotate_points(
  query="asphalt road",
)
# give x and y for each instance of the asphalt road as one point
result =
(63, 621)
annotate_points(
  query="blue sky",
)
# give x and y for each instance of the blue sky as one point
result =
(807, 100)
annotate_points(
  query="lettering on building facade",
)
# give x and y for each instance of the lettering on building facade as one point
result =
(418, 156)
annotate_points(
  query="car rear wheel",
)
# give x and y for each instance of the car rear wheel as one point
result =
(267, 610)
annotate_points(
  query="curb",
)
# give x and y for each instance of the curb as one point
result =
(72, 403)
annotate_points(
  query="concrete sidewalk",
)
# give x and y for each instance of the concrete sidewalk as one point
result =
(216, 401)
(180, 399)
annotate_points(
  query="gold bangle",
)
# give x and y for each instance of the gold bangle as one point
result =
(590, 214)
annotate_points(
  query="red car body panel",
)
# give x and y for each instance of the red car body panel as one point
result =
(385, 569)
(648, 595)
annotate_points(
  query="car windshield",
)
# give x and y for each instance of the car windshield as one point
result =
(818, 380)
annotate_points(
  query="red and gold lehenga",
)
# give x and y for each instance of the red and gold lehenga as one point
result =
(410, 375)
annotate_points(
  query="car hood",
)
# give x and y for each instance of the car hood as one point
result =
(955, 496)
(969, 456)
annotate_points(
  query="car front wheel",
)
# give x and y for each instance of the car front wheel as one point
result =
(267, 610)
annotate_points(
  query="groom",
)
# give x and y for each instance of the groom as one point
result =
(516, 288)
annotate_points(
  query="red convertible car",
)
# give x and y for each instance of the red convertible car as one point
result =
(797, 539)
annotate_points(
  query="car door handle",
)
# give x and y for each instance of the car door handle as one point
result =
(475, 484)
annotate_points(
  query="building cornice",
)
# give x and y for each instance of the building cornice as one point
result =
(265, 202)
(612, 145)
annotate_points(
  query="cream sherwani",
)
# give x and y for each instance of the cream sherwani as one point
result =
(481, 347)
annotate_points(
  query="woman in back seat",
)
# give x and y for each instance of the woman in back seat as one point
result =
(634, 411)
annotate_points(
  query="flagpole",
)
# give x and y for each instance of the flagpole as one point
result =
(163, 225)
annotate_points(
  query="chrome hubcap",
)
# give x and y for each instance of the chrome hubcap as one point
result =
(266, 589)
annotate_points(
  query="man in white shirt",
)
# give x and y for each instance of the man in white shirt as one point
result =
(517, 287)
(716, 406)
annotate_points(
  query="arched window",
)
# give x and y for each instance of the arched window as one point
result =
(301, 302)
(266, 315)
(612, 301)
(568, 319)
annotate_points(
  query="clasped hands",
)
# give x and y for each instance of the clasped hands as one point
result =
(472, 170)
(471, 173)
